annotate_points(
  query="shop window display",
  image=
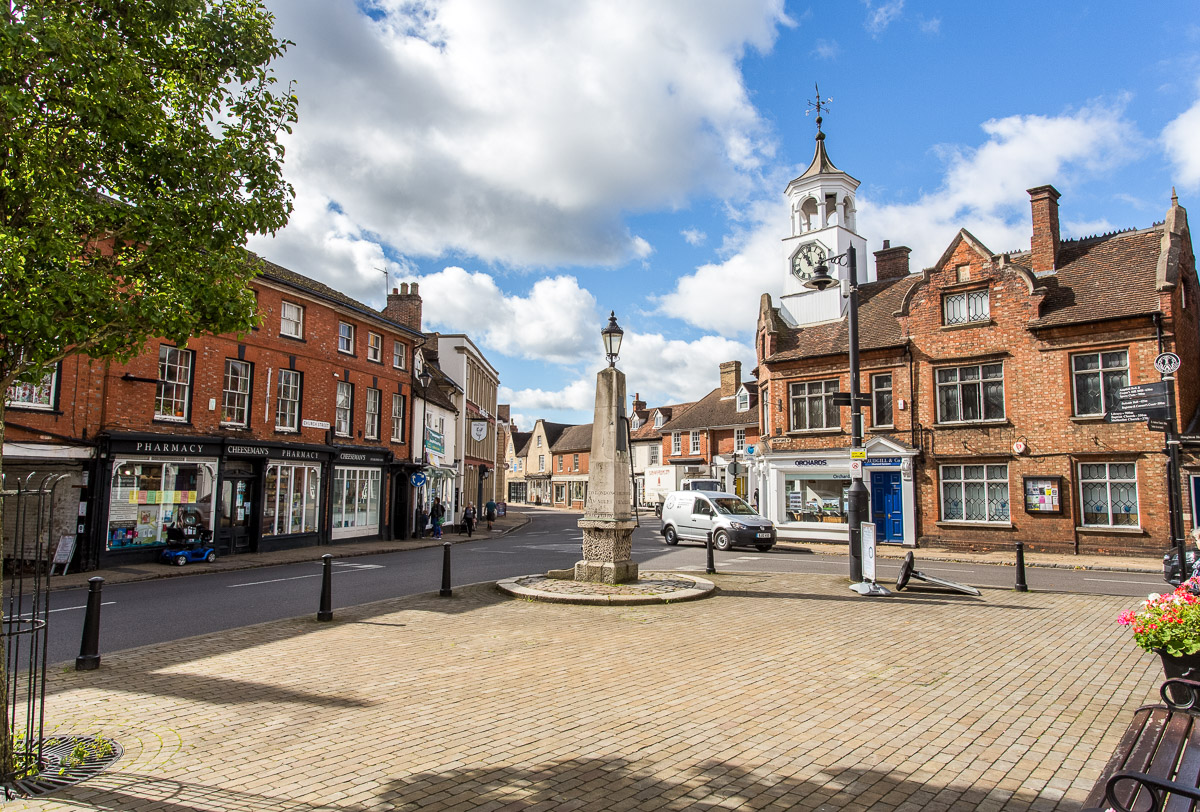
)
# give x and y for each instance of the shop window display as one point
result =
(290, 499)
(817, 500)
(355, 501)
(150, 498)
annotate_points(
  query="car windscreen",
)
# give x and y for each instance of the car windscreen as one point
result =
(733, 507)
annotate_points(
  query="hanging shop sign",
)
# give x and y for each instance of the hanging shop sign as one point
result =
(434, 441)
(479, 430)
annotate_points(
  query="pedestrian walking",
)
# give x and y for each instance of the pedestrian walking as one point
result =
(490, 509)
(469, 519)
(437, 514)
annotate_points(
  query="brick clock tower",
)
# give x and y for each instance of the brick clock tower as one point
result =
(821, 202)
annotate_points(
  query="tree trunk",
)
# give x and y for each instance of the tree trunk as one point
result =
(6, 732)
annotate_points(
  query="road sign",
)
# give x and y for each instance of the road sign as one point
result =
(856, 469)
(1166, 363)
(843, 399)
(858, 455)
(1154, 424)
(1125, 417)
(417, 479)
(1143, 390)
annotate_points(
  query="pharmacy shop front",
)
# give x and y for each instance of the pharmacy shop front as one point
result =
(807, 494)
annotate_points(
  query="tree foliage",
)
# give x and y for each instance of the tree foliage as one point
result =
(139, 146)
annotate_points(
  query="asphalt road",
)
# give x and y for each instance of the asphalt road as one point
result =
(145, 612)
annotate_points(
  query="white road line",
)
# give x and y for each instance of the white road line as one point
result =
(300, 577)
(72, 608)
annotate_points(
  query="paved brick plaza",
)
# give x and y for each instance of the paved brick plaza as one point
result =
(782, 692)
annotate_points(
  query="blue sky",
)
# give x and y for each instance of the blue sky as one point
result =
(535, 165)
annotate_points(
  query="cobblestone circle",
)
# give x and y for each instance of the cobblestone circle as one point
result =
(650, 583)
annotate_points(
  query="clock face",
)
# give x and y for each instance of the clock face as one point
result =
(806, 260)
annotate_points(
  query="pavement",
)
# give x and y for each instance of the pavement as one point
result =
(780, 692)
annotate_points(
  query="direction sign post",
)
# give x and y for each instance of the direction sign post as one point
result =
(1168, 363)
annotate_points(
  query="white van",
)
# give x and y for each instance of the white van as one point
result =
(692, 515)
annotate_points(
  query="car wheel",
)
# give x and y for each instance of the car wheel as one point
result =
(211, 557)
(762, 548)
(669, 535)
(721, 540)
(180, 560)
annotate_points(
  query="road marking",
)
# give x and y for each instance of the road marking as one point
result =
(346, 568)
(72, 608)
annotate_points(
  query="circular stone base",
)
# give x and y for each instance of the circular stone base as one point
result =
(651, 587)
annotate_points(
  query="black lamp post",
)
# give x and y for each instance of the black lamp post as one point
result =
(857, 509)
(612, 335)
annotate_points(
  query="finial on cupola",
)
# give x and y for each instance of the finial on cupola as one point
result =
(818, 106)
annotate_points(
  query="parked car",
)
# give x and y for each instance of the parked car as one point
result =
(692, 515)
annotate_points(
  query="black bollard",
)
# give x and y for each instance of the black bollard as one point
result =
(89, 647)
(1021, 585)
(712, 565)
(445, 593)
(326, 610)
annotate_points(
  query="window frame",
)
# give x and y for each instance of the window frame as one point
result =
(958, 383)
(676, 443)
(694, 443)
(280, 400)
(1108, 491)
(876, 391)
(969, 316)
(739, 439)
(159, 392)
(824, 397)
(560, 463)
(374, 347)
(243, 394)
(654, 453)
(399, 351)
(284, 320)
(575, 463)
(1101, 372)
(48, 383)
(743, 400)
(988, 481)
(345, 338)
(398, 419)
(372, 420)
(343, 413)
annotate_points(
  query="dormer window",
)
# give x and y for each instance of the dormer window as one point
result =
(658, 420)
(635, 423)
(743, 400)
(966, 307)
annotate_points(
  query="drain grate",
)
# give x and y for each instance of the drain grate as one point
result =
(87, 756)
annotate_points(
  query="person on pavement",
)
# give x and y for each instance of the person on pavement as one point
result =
(490, 509)
(437, 513)
(469, 519)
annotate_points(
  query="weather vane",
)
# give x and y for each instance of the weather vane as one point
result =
(819, 105)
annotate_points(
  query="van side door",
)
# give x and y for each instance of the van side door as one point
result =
(700, 519)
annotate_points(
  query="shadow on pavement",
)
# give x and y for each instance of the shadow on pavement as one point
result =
(567, 784)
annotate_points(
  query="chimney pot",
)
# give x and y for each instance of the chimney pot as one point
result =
(1045, 240)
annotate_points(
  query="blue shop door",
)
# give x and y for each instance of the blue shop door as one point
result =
(887, 507)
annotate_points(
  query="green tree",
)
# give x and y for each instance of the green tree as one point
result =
(139, 147)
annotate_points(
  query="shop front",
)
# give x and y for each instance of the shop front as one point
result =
(806, 493)
(356, 496)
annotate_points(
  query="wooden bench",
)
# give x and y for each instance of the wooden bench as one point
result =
(1157, 764)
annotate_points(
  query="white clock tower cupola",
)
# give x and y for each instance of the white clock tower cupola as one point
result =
(821, 203)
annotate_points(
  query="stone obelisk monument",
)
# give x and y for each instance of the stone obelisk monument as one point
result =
(607, 521)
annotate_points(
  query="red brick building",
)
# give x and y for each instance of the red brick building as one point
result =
(569, 457)
(989, 377)
(297, 433)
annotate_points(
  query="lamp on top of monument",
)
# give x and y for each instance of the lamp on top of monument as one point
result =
(612, 335)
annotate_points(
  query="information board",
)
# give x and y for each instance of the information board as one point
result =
(1043, 494)
(866, 535)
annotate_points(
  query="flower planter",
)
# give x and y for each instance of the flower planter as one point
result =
(1186, 666)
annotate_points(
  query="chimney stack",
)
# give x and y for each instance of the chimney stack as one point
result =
(638, 404)
(404, 306)
(731, 378)
(1044, 244)
(891, 263)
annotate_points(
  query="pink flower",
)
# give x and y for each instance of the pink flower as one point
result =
(1126, 617)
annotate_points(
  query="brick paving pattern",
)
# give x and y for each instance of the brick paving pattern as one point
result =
(781, 692)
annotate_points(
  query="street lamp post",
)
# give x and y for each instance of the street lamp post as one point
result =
(857, 508)
(425, 379)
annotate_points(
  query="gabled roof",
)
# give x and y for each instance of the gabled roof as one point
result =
(647, 431)
(520, 441)
(553, 431)
(713, 411)
(573, 439)
(878, 326)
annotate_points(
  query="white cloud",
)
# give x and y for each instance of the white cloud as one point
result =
(519, 133)
(1181, 139)
(555, 322)
(984, 188)
(723, 297)
(826, 49)
(579, 395)
(932, 25)
(694, 236)
(879, 17)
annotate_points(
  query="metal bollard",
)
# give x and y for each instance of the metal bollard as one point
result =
(445, 593)
(326, 610)
(1021, 585)
(712, 564)
(89, 647)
